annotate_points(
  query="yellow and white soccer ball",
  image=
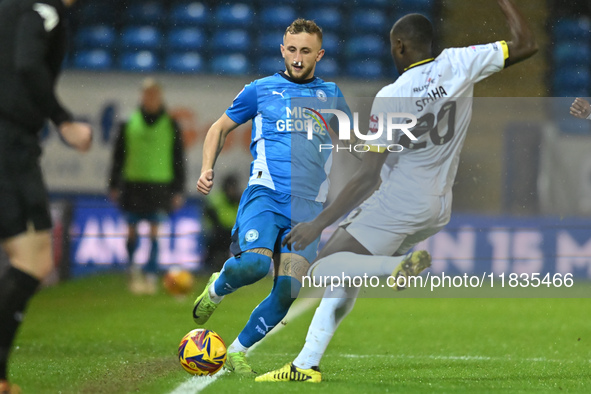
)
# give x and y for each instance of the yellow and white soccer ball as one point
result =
(202, 352)
(178, 282)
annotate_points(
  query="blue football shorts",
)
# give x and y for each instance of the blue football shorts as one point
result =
(266, 216)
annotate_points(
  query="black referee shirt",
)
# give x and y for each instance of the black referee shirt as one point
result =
(32, 49)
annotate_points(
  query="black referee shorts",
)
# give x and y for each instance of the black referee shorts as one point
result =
(23, 196)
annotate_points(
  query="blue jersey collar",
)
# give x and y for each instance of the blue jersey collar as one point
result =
(290, 79)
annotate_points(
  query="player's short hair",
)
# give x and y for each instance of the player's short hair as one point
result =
(150, 83)
(302, 25)
(415, 28)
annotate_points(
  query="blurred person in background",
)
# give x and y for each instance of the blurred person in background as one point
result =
(221, 208)
(147, 178)
(33, 45)
(581, 109)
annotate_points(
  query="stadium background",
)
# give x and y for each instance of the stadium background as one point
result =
(519, 177)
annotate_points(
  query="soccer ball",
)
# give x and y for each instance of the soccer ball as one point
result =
(202, 352)
(178, 282)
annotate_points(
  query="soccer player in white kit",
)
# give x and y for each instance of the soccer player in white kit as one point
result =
(413, 201)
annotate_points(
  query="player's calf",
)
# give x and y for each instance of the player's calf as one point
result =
(242, 270)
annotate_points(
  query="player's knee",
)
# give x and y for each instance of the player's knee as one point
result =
(251, 266)
(153, 230)
(293, 265)
(131, 232)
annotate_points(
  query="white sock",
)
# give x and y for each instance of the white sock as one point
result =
(213, 295)
(236, 346)
(329, 314)
(347, 263)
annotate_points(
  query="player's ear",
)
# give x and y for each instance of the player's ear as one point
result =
(282, 51)
(320, 55)
(400, 47)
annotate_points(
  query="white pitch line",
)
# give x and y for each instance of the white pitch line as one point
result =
(458, 358)
(447, 358)
(196, 384)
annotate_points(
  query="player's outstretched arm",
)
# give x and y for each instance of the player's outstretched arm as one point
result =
(580, 108)
(214, 142)
(523, 43)
(364, 180)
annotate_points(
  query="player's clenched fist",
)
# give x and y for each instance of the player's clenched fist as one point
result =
(77, 134)
(302, 235)
(205, 182)
(580, 108)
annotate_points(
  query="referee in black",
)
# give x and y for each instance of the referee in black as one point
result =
(32, 48)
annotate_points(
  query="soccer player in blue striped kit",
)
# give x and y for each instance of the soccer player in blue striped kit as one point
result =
(288, 175)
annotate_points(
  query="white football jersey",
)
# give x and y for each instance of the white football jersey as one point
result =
(439, 93)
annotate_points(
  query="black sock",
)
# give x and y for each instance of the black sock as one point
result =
(16, 288)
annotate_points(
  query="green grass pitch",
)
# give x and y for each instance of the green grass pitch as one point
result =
(92, 336)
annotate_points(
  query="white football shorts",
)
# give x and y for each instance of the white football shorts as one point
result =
(392, 223)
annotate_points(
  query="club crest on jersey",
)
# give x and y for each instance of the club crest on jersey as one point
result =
(321, 95)
(251, 235)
